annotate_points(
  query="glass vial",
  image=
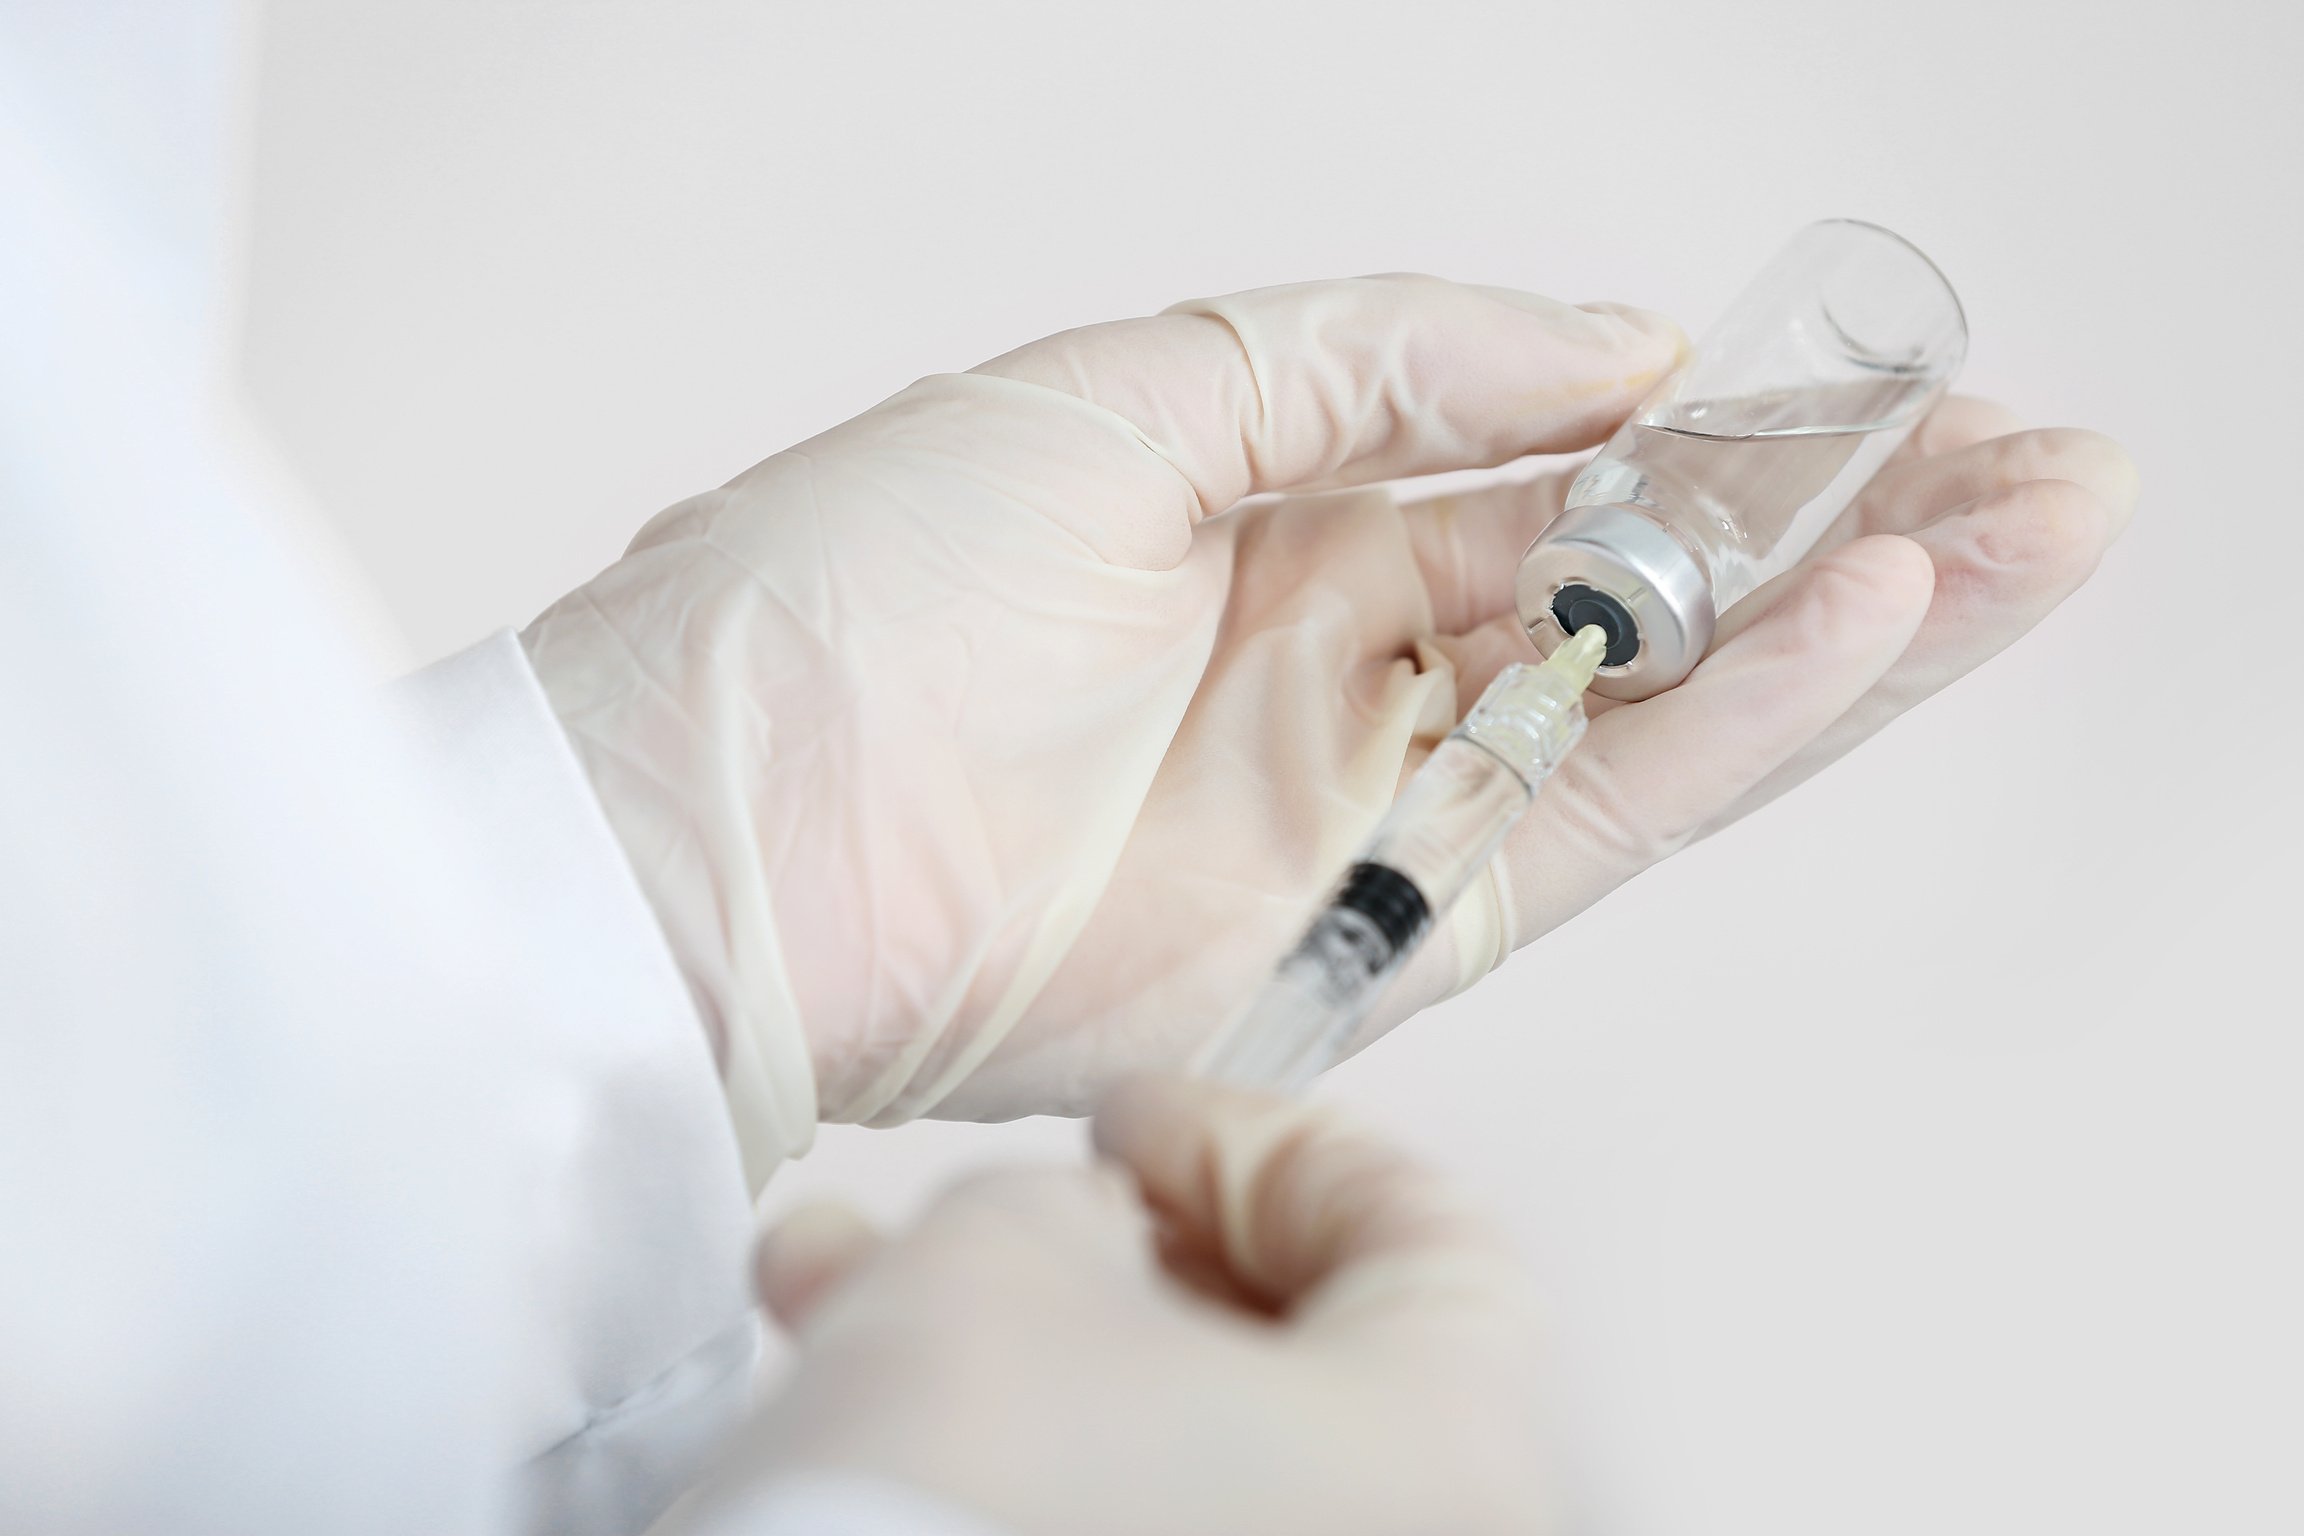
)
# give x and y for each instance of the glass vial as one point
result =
(1741, 457)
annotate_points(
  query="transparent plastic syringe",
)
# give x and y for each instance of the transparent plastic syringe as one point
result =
(1439, 834)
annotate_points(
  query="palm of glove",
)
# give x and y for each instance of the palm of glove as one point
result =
(971, 744)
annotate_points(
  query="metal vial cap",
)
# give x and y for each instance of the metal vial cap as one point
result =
(1631, 567)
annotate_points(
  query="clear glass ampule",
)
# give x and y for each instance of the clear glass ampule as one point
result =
(1741, 457)
(1441, 831)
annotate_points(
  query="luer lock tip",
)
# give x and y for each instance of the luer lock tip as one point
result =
(1575, 662)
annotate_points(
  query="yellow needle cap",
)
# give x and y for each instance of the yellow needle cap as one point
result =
(1575, 662)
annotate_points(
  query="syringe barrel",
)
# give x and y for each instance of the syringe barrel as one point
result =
(1440, 833)
(1449, 820)
(1302, 1021)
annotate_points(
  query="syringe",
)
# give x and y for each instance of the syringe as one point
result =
(1439, 834)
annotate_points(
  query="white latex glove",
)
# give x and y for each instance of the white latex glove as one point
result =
(971, 759)
(1331, 1341)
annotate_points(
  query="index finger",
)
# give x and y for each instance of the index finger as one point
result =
(1357, 380)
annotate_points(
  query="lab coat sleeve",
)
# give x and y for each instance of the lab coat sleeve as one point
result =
(646, 1340)
(650, 1341)
(363, 1168)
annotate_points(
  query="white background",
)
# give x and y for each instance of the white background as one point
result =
(1921, 1155)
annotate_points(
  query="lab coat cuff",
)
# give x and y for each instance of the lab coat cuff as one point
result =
(639, 1298)
(519, 775)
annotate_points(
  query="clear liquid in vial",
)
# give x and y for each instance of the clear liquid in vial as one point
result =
(1744, 478)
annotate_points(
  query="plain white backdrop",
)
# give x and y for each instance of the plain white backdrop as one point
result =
(1920, 1155)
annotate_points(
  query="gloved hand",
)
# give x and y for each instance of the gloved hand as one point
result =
(1333, 1341)
(971, 759)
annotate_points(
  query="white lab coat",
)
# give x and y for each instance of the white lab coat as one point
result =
(363, 1167)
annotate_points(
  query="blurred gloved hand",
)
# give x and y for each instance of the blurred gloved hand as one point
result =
(1331, 1341)
(971, 758)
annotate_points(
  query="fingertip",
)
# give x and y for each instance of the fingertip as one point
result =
(1899, 570)
(2055, 531)
(2003, 562)
(1818, 608)
(2098, 464)
(1127, 1112)
(807, 1255)
(1200, 1153)
(1645, 328)
(1837, 622)
(1655, 341)
(1879, 584)
(1958, 421)
(1154, 1122)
